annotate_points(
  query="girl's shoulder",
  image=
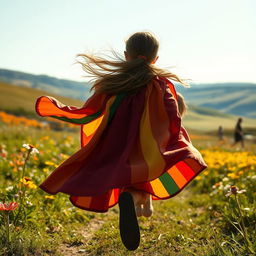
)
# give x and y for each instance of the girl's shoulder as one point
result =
(167, 85)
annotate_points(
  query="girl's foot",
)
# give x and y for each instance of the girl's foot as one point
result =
(147, 209)
(138, 210)
(128, 224)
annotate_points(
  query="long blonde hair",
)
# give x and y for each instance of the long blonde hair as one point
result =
(117, 75)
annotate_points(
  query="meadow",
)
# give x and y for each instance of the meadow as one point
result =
(213, 216)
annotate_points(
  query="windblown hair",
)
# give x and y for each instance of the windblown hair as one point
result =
(117, 75)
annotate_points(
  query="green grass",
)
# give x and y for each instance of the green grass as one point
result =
(191, 223)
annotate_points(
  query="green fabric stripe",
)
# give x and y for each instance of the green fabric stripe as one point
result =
(88, 119)
(169, 183)
(115, 105)
(83, 120)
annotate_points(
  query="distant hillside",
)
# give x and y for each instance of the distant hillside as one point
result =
(198, 119)
(21, 101)
(66, 88)
(231, 98)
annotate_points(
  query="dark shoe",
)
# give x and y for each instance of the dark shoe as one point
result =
(128, 224)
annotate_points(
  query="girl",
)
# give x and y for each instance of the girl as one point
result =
(134, 148)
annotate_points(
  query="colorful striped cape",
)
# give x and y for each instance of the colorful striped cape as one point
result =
(127, 140)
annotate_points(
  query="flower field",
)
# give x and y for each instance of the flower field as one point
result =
(214, 215)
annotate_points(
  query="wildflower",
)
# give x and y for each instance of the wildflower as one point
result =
(26, 181)
(19, 162)
(49, 197)
(198, 178)
(9, 206)
(35, 158)
(217, 184)
(46, 170)
(29, 203)
(63, 156)
(31, 148)
(27, 146)
(233, 176)
(234, 191)
(23, 149)
(226, 187)
(49, 163)
(10, 188)
(34, 151)
(3, 153)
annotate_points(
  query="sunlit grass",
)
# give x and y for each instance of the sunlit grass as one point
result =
(201, 220)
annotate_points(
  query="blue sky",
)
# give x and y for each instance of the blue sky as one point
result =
(206, 41)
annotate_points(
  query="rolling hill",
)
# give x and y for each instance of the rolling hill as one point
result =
(63, 87)
(230, 98)
(21, 101)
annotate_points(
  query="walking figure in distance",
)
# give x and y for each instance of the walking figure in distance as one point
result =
(238, 133)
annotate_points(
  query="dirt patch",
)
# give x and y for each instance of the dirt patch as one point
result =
(87, 232)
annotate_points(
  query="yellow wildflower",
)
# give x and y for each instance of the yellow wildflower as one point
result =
(233, 176)
(49, 197)
(46, 170)
(49, 163)
(26, 181)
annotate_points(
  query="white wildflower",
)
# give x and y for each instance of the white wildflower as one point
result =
(27, 146)
(10, 188)
(234, 191)
(34, 151)
(29, 203)
(226, 187)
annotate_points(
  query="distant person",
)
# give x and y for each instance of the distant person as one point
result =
(134, 147)
(238, 133)
(220, 133)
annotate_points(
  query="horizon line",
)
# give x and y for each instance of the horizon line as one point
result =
(80, 81)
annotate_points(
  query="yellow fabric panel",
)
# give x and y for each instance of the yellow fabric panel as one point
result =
(149, 145)
(91, 127)
(158, 188)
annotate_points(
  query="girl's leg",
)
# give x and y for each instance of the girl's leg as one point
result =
(142, 201)
(128, 224)
(147, 210)
(139, 209)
